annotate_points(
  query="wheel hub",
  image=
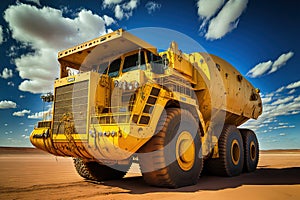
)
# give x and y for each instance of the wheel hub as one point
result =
(235, 152)
(252, 151)
(185, 151)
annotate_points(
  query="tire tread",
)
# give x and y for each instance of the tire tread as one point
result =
(97, 172)
(160, 177)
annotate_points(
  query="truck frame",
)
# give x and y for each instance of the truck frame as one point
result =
(118, 99)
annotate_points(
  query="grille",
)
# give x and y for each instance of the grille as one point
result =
(177, 84)
(72, 99)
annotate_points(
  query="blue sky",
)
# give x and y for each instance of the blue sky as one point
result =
(260, 38)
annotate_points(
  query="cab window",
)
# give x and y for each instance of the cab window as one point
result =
(114, 68)
(152, 57)
(156, 63)
(131, 62)
(103, 68)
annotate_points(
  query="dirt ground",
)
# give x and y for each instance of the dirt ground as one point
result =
(31, 174)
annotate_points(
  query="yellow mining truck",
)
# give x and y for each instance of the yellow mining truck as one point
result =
(119, 100)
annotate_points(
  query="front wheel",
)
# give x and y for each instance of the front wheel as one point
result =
(97, 172)
(173, 156)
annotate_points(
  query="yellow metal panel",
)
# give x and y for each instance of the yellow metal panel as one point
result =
(72, 79)
(111, 44)
(77, 137)
(199, 62)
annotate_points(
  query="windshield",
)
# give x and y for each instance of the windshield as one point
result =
(114, 68)
(156, 63)
(132, 62)
(123, 63)
(103, 68)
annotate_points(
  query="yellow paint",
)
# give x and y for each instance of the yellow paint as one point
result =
(235, 152)
(185, 151)
(198, 81)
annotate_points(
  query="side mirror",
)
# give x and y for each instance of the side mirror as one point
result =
(165, 61)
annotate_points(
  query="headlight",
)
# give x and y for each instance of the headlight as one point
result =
(136, 85)
(116, 83)
(113, 133)
(120, 84)
(92, 132)
(124, 85)
(133, 85)
(106, 133)
(130, 86)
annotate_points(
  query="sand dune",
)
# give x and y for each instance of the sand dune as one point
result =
(32, 174)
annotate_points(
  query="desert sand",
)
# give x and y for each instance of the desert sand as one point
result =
(32, 174)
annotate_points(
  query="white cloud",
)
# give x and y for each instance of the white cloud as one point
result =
(7, 104)
(292, 91)
(41, 115)
(13, 50)
(293, 85)
(226, 20)
(46, 31)
(270, 66)
(10, 83)
(152, 6)
(132, 4)
(266, 99)
(207, 9)
(281, 123)
(1, 35)
(108, 20)
(297, 99)
(281, 61)
(281, 127)
(34, 1)
(280, 89)
(259, 69)
(25, 136)
(125, 9)
(21, 113)
(282, 101)
(6, 73)
(111, 2)
(119, 14)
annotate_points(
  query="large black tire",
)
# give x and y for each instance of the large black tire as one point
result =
(251, 150)
(97, 172)
(231, 153)
(172, 158)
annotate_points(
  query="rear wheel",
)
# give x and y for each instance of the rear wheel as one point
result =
(251, 150)
(231, 153)
(173, 157)
(97, 172)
